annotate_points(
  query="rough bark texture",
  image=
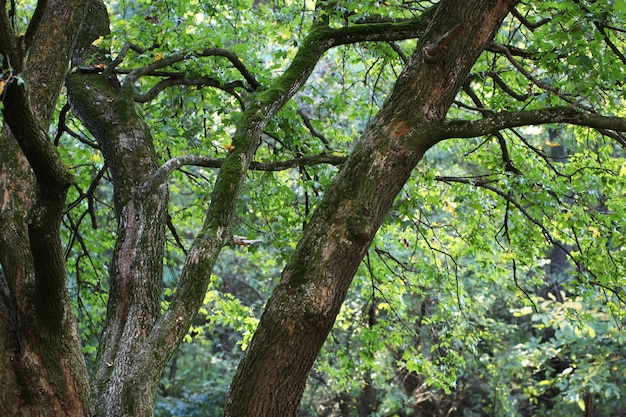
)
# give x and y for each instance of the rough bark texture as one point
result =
(107, 109)
(272, 375)
(43, 371)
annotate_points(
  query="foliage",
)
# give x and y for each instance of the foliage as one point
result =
(456, 305)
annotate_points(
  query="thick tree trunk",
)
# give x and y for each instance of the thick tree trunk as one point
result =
(108, 110)
(272, 375)
(43, 371)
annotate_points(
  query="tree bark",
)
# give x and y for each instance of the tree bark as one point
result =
(107, 109)
(43, 371)
(272, 375)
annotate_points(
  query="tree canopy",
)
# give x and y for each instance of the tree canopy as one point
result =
(312, 208)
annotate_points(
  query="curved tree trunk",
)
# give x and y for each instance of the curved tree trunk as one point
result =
(273, 373)
(108, 110)
(43, 372)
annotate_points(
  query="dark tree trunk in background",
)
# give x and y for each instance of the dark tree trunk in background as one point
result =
(272, 375)
(559, 264)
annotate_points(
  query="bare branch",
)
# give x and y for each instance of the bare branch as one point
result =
(172, 229)
(617, 136)
(539, 153)
(309, 125)
(610, 43)
(508, 164)
(513, 50)
(399, 52)
(89, 195)
(500, 83)
(298, 162)
(120, 57)
(61, 125)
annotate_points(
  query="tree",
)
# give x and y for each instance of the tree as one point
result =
(45, 369)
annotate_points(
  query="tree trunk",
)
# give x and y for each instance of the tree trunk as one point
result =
(43, 371)
(272, 375)
(108, 110)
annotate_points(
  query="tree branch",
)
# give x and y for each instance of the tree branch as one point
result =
(34, 142)
(508, 164)
(120, 57)
(506, 52)
(619, 137)
(384, 31)
(172, 79)
(513, 50)
(83, 69)
(600, 26)
(500, 83)
(530, 25)
(307, 122)
(433, 50)
(399, 52)
(610, 43)
(9, 46)
(161, 175)
(298, 162)
(216, 229)
(448, 129)
(172, 229)
(544, 230)
(387, 31)
(197, 81)
(183, 56)
(34, 22)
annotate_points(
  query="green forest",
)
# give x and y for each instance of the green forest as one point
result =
(255, 208)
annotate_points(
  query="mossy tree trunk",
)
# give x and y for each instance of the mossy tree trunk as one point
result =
(107, 109)
(136, 343)
(43, 372)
